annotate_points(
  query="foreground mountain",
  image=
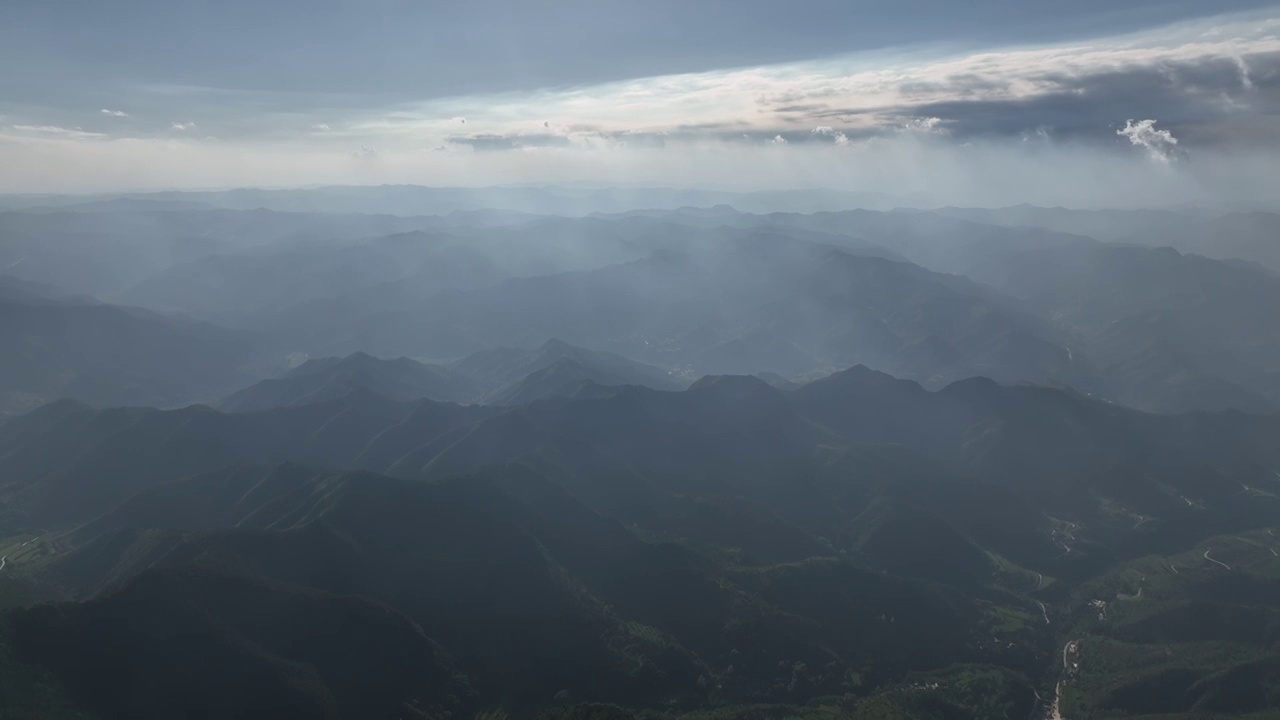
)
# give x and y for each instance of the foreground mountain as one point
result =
(731, 543)
(534, 595)
(265, 651)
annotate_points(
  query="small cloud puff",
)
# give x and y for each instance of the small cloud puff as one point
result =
(778, 140)
(839, 137)
(321, 127)
(181, 126)
(1159, 144)
(460, 120)
(925, 126)
(114, 113)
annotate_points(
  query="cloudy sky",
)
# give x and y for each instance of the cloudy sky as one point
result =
(1088, 101)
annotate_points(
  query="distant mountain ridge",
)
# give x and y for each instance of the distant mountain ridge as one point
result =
(1051, 446)
(502, 376)
(506, 371)
(730, 462)
(324, 379)
(109, 355)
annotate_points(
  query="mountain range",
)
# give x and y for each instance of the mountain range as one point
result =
(264, 456)
(501, 376)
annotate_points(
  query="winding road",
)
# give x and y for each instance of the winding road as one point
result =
(1068, 535)
(3, 561)
(1055, 712)
(1043, 612)
(1206, 557)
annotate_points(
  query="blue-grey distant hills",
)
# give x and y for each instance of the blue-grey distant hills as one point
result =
(502, 376)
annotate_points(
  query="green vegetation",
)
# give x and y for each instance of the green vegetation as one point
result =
(31, 692)
(730, 551)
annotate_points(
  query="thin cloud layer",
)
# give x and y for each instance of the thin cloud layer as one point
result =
(1213, 85)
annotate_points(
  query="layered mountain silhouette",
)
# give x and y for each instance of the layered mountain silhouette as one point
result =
(502, 376)
(728, 435)
(656, 464)
(108, 355)
(327, 379)
(1017, 294)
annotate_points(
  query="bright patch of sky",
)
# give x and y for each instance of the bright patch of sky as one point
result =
(177, 98)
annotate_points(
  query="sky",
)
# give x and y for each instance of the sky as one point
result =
(994, 101)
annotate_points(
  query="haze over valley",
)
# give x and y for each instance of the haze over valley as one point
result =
(903, 363)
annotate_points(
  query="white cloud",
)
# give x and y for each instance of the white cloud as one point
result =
(863, 94)
(690, 127)
(1159, 144)
(1246, 81)
(1040, 134)
(779, 140)
(61, 132)
(925, 126)
(923, 170)
(114, 113)
(838, 136)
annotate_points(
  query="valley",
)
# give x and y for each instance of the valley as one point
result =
(670, 464)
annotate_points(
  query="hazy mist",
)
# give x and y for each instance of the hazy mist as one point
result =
(567, 360)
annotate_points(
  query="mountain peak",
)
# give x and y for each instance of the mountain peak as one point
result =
(978, 386)
(555, 345)
(736, 388)
(862, 377)
(360, 356)
(863, 374)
